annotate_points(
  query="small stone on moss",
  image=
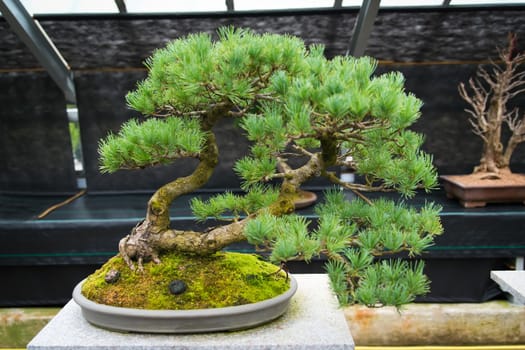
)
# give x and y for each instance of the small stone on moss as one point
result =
(177, 287)
(112, 276)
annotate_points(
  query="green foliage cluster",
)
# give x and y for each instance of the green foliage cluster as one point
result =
(154, 141)
(198, 78)
(353, 234)
(195, 72)
(342, 107)
(389, 282)
(228, 205)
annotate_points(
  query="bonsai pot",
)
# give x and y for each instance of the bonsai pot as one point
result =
(476, 190)
(184, 321)
(306, 198)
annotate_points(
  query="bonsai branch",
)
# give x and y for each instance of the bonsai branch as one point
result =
(355, 188)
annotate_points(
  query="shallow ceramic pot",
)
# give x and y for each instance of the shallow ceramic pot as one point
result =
(306, 198)
(491, 191)
(184, 321)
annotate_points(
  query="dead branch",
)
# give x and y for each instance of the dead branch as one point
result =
(487, 97)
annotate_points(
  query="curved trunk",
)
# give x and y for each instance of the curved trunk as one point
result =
(292, 181)
(143, 241)
(140, 243)
(153, 236)
(158, 206)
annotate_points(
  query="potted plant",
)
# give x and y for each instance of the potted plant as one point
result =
(291, 102)
(492, 180)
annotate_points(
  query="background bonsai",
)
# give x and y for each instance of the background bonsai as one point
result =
(292, 103)
(488, 99)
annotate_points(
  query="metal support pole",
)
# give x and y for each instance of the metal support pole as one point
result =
(230, 5)
(35, 38)
(121, 5)
(363, 27)
(520, 263)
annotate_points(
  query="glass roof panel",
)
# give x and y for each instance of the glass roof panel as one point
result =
(487, 2)
(246, 5)
(163, 6)
(150, 6)
(70, 6)
(417, 3)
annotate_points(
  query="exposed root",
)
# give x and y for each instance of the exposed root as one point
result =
(282, 268)
(136, 246)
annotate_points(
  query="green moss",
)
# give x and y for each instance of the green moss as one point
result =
(219, 280)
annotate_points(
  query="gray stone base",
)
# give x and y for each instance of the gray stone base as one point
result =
(313, 322)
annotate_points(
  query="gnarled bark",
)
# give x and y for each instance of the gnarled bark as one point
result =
(153, 235)
(141, 244)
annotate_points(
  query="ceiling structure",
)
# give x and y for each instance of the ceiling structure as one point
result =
(40, 7)
(20, 16)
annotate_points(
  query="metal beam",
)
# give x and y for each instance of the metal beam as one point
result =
(446, 3)
(338, 4)
(363, 27)
(121, 4)
(35, 38)
(230, 5)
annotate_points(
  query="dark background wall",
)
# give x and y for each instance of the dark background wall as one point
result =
(436, 49)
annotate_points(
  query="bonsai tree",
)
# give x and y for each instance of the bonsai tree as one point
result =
(488, 98)
(296, 107)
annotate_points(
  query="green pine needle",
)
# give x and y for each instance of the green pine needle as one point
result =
(148, 143)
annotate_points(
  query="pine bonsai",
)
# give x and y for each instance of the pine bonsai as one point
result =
(488, 100)
(291, 102)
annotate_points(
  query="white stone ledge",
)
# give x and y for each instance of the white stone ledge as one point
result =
(512, 282)
(314, 321)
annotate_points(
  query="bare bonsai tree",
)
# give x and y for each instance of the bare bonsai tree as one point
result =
(488, 99)
(291, 102)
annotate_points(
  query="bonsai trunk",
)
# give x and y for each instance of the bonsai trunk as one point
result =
(153, 235)
(144, 242)
(492, 159)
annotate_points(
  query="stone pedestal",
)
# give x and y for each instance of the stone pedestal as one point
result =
(313, 322)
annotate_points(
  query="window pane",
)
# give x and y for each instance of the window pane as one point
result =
(141, 6)
(488, 2)
(246, 5)
(70, 6)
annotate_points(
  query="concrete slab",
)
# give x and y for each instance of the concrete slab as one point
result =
(512, 282)
(313, 321)
(447, 324)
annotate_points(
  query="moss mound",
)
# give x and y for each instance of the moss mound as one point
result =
(219, 280)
